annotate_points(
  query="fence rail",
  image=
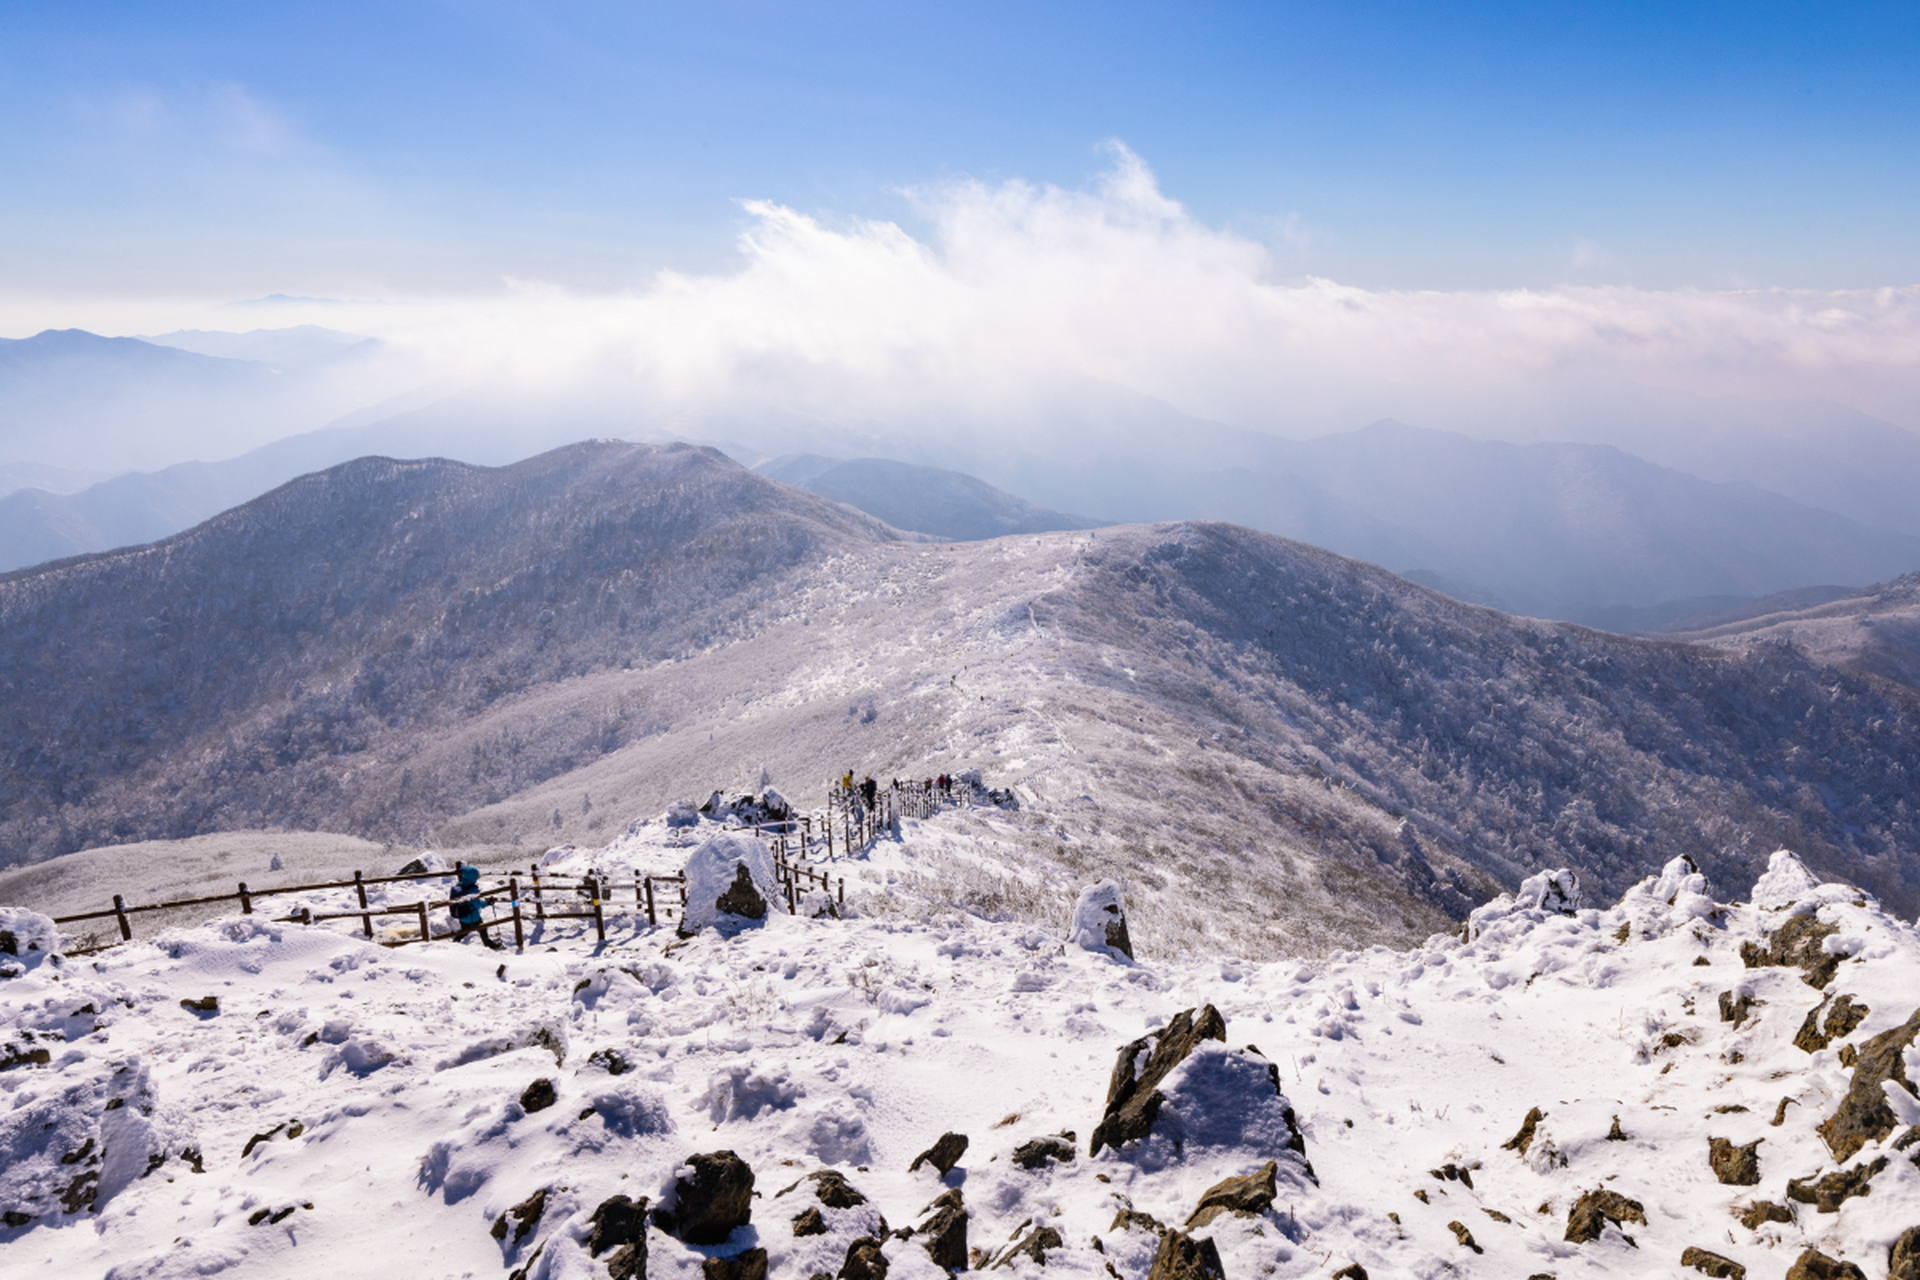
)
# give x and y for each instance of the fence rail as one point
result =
(850, 824)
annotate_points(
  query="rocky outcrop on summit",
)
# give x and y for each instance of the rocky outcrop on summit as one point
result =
(1133, 1101)
(1596, 1210)
(1796, 944)
(1864, 1115)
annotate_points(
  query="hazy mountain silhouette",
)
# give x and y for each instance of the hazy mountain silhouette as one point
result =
(501, 656)
(932, 500)
(75, 400)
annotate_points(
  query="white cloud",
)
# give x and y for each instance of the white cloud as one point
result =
(1019, 290)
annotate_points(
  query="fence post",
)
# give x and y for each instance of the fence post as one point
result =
(426, 931)
(246, 900)
(599, 919)
(120, 912)
(539, 900)
(650, 920)
(366, 918)
(519, 934)
(792, 909)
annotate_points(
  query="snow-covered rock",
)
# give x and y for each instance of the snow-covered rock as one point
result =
(726, 876)
(1100, 922)
(1785, 882)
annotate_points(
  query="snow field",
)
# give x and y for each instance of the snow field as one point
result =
(854, 1044)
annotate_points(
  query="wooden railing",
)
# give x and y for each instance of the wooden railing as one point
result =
(848, 825)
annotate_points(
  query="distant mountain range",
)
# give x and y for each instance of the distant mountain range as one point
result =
(923, 499)
(497, 658)
(74, 400)
(1772, 498)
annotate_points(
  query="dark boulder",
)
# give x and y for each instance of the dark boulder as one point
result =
(943, 1154)
(944, 1232)
(864, 1261)
(525, 1217)
(1134, 1220)
(751, 1265)
(1829, 1193)
(1863, 1115)
(1734, 1166)
(1712, 1264)
(1352, 1271)
(810, 1222)
(1595, 1209)
(1815, 1265)
(538, 1096)
(1133, 1100)
(742, 899)
(1181, 1257)
(1037, 1153)
(618, 1221)
(1903, 1259)
(715, 1200)
(1248, 1196)
(1797, 945)
(1464, 1236)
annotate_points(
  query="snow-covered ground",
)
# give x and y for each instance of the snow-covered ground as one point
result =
(344, 1109)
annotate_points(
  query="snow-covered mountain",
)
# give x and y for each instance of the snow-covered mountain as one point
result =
(1672, 1085)
(1275, 745)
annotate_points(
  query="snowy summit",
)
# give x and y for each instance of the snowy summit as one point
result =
(1673, 1084)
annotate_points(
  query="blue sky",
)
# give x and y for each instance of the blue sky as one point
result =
(404, 147)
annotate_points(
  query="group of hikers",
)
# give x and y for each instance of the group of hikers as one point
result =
(867, 791)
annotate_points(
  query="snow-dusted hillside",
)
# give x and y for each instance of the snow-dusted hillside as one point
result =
(325, 1105)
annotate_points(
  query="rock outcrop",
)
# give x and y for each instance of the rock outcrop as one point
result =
(1903, 1258)
(1133, 1100)
(1863, 1115)
(1829, 1021)
(1796, 944)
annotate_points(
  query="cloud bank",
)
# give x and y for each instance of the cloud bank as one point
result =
(1014, 294)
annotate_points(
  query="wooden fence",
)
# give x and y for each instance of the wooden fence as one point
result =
(848, 825)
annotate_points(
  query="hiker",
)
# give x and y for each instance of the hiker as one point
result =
(467, 904)
(869, 789)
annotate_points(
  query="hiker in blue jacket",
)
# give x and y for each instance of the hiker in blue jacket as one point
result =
(467, 904)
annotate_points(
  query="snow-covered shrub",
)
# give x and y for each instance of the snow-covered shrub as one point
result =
(633, 1110)
(712, 872)
(743, 1090)
(1100, 922)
